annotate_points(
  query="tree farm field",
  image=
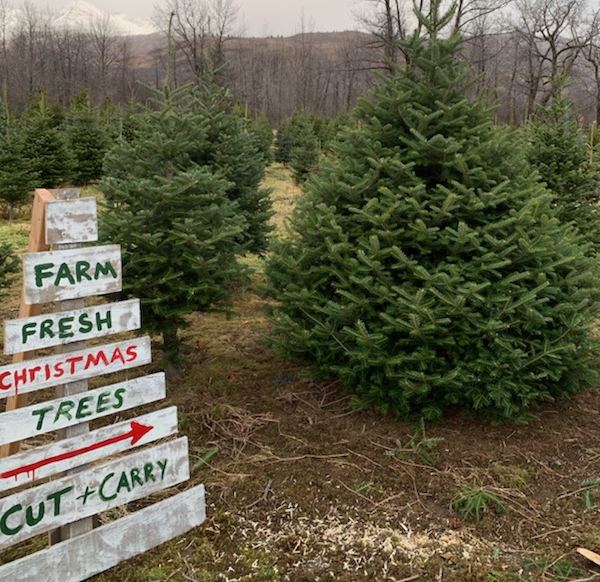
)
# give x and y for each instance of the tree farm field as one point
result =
(302, 487)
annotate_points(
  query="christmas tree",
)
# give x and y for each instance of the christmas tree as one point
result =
(304, 156)
(177, 228)
(425, 266)
(560, 152)
(9, 265)
(86, 139)
(45, 146)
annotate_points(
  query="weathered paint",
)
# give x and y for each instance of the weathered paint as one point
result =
(71, 221)
(38, 510)
(71, 274)
(32, 375)
(55, 329)
(164, 423)
(66, 411)
(83, 557)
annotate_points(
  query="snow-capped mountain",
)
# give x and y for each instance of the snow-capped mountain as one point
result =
(79, 14)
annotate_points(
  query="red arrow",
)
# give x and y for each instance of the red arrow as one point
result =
(137, 432)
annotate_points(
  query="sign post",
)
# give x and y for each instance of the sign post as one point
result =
(83, 485)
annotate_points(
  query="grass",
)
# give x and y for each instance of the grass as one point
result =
(285, 193)
(472, 502)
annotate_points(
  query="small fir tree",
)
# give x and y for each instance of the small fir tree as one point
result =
(9, 265)
(425, 266)
(86, 139)
(176, 226)
(304, 157)
(559, 150)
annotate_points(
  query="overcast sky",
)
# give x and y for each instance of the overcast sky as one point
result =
(256, 17)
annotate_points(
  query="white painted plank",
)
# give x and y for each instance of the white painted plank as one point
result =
(80, 558)
(71, 221)
(71, 274)
(42, 462)
(32, 375)
(34, 511)
(66, 411)
(56, 329)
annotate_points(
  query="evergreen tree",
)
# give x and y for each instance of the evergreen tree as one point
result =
(304, 157)
(9, 265)
(425, 267)
(45, 146)
(286, 138)
(86, 139)
(16, 178)
(559, 150)
(174, 222)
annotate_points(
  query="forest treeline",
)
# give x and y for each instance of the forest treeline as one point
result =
(520, 50)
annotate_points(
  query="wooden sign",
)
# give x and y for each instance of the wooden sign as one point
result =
(65, 507)
(71, 221)
(38, 510)
(32, 375)
(85, 556)
(58, 457)
(55, 329)
(71, 274)
(61, 413)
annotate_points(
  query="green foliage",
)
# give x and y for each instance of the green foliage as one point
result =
(177, 228)
(260, 127)
(559, 150)
(16, 178)
(87, 140)
(304, 157)
(473, 502)
(45, 146)
(425, 267)
(588, 497)
(9, 265)
(419, 447)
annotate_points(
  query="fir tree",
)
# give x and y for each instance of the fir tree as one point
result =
(16, 178)
(174, 222)
(45, 146)
(425, 267)
(86, 139)
(304, 156)
(559, 150)
(9, 265)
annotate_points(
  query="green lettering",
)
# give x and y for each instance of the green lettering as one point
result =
(85, 324)
(149, 473)
(41, 412)
(65, 327)
(107, 320)
(46, 329)
(27, 330)
(123, 483)
(64, 409)
(64, 273)
(56, 497)
(43, 271)
(134, 475)
(4, 527)
(119, 398)
(83, 407)
(101, 488)
(103, 402)
(106, 269)
(162, 465)
(29, 517)
(81, 269)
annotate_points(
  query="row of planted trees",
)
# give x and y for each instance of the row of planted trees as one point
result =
(435, 259)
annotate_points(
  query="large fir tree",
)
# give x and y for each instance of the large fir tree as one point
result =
(177, 228)
(87, 140)
(559, 150)
(425, 266)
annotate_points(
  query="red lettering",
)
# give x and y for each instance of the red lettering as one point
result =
(117, 355)
(59, 370)
(73, 363)
(4, 386)
(94, 360)
(132, 354)
(32, 372)
(20, 377)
